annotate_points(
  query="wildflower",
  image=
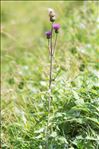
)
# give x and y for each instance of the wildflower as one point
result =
(48, 34)
(52, 15)
(56, 27)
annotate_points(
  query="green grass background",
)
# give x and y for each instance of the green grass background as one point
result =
(25, 74)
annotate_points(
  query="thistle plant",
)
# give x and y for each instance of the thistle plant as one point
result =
(51, 47)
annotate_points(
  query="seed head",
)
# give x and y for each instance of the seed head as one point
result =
(51, 14)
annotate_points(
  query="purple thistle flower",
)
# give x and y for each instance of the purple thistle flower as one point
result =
(48, 34)
(56, 27)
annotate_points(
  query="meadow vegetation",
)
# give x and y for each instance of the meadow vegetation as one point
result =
(74, 115)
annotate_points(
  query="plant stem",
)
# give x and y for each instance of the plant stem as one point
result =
(55, 44)
(49, 46)
(51, 68)
(50, 85)
(51, 65)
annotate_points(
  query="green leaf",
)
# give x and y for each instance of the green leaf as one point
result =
(53, 134)
(79, 101)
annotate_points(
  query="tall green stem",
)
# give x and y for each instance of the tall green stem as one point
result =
(50, 85)
(51, 61)
(55, 44)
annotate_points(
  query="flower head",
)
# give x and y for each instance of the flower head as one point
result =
(56, 26)
(48, 34)
(52, 14)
